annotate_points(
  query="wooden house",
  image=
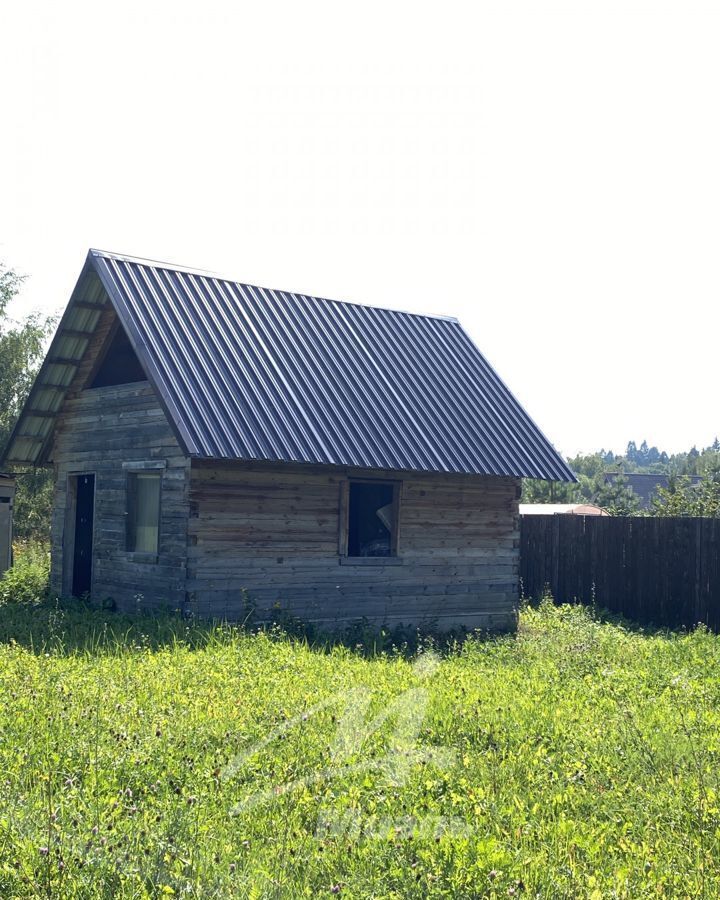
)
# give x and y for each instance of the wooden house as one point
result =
(218, 446)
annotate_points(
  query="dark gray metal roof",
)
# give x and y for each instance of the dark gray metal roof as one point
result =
(256, 374)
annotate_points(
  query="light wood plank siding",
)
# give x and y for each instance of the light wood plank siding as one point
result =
(98, 431)
(272, 532)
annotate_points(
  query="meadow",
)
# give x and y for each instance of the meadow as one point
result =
(153, 757)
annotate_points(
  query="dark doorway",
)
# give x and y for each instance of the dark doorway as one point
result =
(83, 544)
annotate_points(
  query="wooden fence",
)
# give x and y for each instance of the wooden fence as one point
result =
(656, 571)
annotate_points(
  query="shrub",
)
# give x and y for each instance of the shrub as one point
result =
(27, 580)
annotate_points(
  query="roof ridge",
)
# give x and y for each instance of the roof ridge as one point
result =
(155, 263)
(208, 273)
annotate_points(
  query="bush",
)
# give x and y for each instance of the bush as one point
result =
(28, 579)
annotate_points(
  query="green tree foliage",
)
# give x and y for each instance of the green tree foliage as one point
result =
(683, 498)
(537, 491)
(643, 458)
(22, 344)
(592, 486)
(614, 494)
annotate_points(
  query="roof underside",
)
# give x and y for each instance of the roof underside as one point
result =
(33, 432)
(247, 373)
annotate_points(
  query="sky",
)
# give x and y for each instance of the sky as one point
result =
(549, 173)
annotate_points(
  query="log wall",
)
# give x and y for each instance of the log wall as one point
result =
(98, 431)
(237, 536)
(268, 538)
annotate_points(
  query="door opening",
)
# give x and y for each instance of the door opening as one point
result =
(83, 537)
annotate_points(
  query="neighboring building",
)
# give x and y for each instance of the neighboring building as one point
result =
(7, 498)
(562, 509)
(217, 445)
(645, 485)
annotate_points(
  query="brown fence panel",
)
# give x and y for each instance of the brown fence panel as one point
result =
(656, 571)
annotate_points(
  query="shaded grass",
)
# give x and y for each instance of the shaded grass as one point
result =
(576, 759)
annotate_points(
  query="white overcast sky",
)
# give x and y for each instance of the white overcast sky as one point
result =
(549, 173)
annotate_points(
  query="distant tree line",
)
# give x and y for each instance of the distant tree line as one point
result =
(682, 497)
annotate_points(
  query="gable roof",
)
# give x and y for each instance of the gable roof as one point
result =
(248, 373)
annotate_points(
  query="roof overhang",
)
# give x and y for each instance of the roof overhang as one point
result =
(30, 441)
(30, 438)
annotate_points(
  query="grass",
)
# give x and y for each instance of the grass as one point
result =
(576, 759)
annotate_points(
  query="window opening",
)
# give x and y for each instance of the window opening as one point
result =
(143, 512)
(371, 516)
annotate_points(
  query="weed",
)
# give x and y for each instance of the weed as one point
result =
(151, 756)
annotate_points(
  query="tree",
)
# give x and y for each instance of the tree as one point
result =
(613, 494)
(22, 346)
(683, 498)
(536, 491)
(680, 498)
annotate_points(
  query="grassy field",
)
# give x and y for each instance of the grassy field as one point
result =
(148, 757)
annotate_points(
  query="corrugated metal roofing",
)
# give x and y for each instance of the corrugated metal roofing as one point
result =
(250, 373)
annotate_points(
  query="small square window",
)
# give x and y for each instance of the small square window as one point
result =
(143, 512)
(372, 519)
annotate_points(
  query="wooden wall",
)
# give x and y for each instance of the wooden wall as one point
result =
(273, 532)
(98, 431)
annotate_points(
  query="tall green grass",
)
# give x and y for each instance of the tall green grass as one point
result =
(576, 759)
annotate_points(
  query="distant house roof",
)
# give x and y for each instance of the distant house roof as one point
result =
(646, 484)
(248, 373)
(562, 509)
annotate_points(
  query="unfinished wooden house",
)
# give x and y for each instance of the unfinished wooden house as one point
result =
(219, 447)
